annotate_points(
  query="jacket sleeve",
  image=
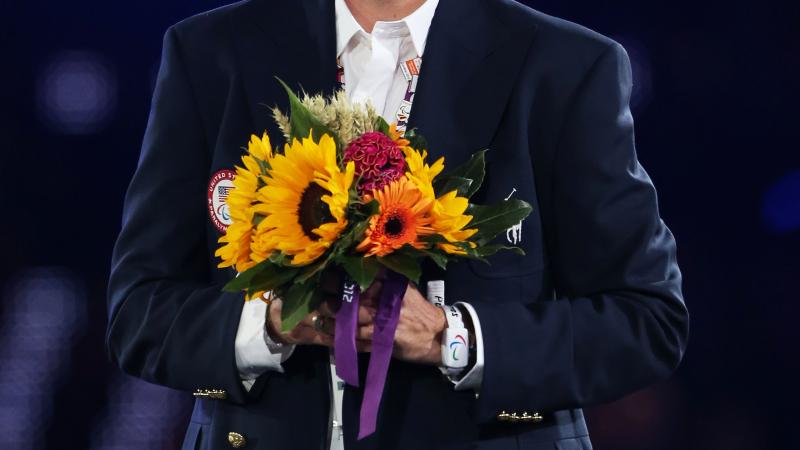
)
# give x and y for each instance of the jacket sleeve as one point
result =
(168, 322)
(618, 321)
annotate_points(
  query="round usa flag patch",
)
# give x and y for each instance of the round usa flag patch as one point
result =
(219, 188)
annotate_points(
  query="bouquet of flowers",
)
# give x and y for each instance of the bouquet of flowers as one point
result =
(349, 191)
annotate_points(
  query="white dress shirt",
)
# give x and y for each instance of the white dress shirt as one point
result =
(372, 61)
(255, 351)
(372, 73)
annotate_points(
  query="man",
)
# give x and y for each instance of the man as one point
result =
(591, 312)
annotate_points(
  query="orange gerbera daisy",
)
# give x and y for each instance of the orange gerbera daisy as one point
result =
(402, 219)
(397, 136)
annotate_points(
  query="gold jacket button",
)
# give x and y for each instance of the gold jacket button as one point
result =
(236, 440)
(514, 418)
(216, 394)
(535, 418)
(503, 416)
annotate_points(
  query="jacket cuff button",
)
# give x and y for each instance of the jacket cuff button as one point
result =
(535, 418)
(236, 440)
(216, 394)
(200, 393)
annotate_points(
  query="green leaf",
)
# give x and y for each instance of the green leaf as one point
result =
(435, 239)
(297, 303)
(362, 270)
(440, 259)
(494, 219)
(310, 271)
(472, 254)
(280, 258)
(445, 184)
(301, 119)
(416, 140)
(351, 237)
(412, 252)
(272, 277)
(257, 219)
(404, 264)
(491, 249)
(474, 169)
(381, 125)
(371, 208)
(242, 281)
(265, 167)
(363, 211)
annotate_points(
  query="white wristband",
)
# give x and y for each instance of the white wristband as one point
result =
(436, 292)
(455, 342)
(453, 316)
(455, 339)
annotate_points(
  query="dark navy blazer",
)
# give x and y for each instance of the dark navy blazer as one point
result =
(592, 312)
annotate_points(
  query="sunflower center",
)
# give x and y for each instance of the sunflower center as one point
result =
(312, 211)
(393, 226)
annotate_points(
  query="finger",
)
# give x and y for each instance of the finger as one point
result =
(364, 333)
(275, 323)
(308, 323)
(274, 312)
(308, 320)
(300, 334)
(322, 339)
(371, 295)
(366, 314)
(374, 288)
(310, 336)
(325, 325)
(329, 307)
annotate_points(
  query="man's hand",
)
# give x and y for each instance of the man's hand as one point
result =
(419, 331)
(317, 327)
(305, 333)
(418, 337)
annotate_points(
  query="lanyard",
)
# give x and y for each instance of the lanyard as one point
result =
(410, 69)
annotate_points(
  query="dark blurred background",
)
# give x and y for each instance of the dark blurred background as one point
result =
(716, 103)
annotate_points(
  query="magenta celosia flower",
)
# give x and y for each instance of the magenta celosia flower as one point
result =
(378, 159)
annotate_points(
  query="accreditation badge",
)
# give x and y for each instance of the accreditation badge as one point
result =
(219, 187)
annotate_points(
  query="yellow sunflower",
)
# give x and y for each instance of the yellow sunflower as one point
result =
(403, 218)
(304, 201)
(449, 221)
(420, 173)
(237, 239)
(447, 212)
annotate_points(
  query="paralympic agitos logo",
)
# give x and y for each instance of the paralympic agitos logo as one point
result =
(457, 340)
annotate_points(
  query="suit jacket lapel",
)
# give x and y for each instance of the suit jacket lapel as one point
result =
(293, 40)
(469, 67)
(471, 60)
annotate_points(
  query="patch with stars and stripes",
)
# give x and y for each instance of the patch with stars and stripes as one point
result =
(219, 187)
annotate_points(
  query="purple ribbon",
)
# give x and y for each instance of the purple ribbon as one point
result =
(384, 326)
(344, 338)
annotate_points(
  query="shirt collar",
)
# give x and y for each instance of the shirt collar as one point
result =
(418, 23)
